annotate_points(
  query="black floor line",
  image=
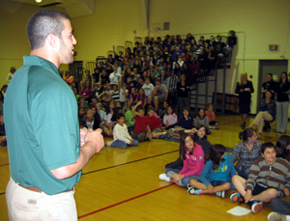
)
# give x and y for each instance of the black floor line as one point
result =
(130, 162)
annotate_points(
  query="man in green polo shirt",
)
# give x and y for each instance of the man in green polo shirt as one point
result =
(42, 127)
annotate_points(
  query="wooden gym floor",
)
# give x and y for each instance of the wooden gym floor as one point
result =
(122, 184)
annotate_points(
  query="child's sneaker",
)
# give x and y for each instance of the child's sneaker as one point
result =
(221, 194)
(273, 216)
(255, 206)
(164, 177)
(109, 143)
(171, 132)
(237, 198)
(191, 190)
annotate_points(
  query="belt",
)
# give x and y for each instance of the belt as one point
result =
(35, 189)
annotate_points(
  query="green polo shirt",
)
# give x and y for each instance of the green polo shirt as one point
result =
(42, 128)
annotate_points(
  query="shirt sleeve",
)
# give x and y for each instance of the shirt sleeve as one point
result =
(205, 172)
(236, 152)
(55, 127)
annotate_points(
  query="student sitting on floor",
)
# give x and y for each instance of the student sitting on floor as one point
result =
(269, 178)
(184, 122)
(92, 121)
(162, 111)
(246, 152)
(217, 174)
(211, 116)
(107, 125)
(169, 118)
(142, 130)
(193, 163)
(199, 137)
(101, 112)
(281, 208)
(155, 125)
(201, 118)
(121, 136)
(130, 120)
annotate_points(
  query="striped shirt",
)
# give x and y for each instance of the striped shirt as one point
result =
(276, 175)
(116, 96)
(246, 156)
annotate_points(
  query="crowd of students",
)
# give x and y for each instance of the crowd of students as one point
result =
(154, 78)
(132, 98)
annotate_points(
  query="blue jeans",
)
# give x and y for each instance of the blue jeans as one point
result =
(185, 180)
(280, 206)
(131, 130)
(243, 171)
(123, 145)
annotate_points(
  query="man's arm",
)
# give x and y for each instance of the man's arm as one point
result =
(94, 142)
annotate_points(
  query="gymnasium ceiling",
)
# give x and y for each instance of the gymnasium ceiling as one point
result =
(74, 8)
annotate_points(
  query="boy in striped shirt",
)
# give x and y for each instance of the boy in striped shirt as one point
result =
(269, 178)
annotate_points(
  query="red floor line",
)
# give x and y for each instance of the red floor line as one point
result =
(125, 201)
(4, 164)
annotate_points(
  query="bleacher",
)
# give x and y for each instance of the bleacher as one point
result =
(197, 65)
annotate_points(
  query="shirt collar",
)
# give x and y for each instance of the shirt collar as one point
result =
(33, 60)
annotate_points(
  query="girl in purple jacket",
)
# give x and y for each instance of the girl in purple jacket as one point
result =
(193, 163)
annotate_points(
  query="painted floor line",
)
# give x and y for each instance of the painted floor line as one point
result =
(124, 201)
(130, 162)
(7, 164)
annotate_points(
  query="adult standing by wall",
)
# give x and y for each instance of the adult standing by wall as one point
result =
(282, 90)
(269, 85)
(44, 151)
(244, 88)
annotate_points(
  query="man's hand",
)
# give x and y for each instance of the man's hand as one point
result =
(95, 137)
(83, 133)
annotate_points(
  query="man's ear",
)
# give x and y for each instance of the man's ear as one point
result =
(53, 41)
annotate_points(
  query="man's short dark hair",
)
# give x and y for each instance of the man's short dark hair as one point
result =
(43, 23)
(266, 145)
